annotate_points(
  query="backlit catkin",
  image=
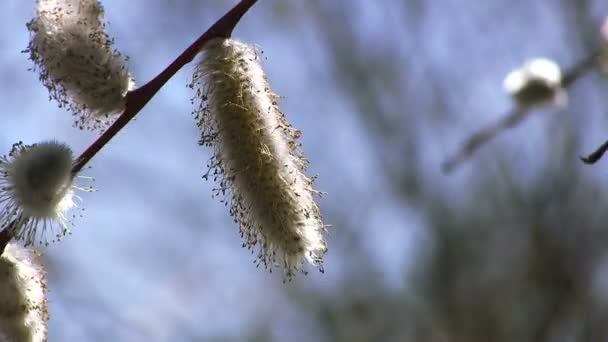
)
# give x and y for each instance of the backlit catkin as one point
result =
(23, 290)
(77, 64)
(257, 160)
(37, 191)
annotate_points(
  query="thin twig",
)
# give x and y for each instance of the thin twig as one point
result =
(481, 137)
(579, 69)
(596, 155)
(138, 98)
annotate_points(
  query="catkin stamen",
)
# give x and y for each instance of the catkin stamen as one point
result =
(257, 160)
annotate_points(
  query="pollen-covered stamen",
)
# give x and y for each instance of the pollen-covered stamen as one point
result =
(76, 60)
(37, 191)
(537, 82)
(257, 160)
(23, 290)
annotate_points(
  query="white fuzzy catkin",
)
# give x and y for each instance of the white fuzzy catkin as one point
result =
(77, 64)
(23, 304)
(257, 160)
(37, 191)
(536, 83)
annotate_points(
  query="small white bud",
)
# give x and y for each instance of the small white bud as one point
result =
(257, 160)
(37, 191)
(76, 61)
(536, 83)
(23, 304)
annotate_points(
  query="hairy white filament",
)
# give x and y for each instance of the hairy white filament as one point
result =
(257, 160)
(77, 64)
(23, 303)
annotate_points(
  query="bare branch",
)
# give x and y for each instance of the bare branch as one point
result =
(596, 155)
(481, 137)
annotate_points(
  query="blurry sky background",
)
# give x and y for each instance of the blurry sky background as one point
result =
(512, 246)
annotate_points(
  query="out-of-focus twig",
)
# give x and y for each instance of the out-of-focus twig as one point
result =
(577, 70)
(483, 136)
(600, 57)
(515, 116)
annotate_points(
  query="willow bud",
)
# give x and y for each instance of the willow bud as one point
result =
(538, 82)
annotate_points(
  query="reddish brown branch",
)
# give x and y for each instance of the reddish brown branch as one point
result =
(139, 97)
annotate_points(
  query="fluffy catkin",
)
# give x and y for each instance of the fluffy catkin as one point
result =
(77, 64)
(37, 191)
(23, 303)
(257, 160)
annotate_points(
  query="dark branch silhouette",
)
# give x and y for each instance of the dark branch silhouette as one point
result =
(5, 237)
(596, 155)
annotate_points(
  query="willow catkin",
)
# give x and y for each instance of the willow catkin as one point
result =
(257, 160)
(76, 60)
(37, 191)
(23, 290)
